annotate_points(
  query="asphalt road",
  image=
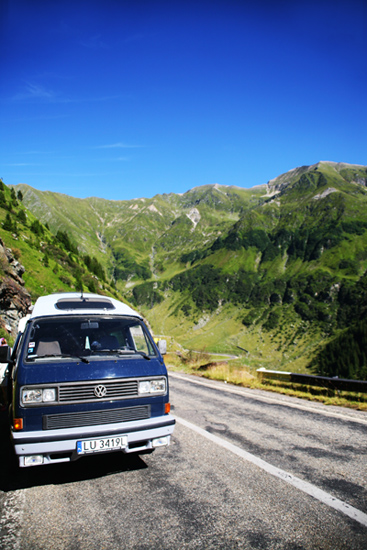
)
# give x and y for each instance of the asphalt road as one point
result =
(246, 469)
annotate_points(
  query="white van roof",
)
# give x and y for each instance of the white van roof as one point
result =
(79, 304)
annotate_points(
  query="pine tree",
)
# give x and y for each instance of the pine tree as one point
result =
(8, 224)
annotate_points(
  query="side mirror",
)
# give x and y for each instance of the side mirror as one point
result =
(5, 354)
(162, 346)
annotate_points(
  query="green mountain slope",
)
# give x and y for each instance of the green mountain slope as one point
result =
(277, 270)
(52, 261)
(138, 237)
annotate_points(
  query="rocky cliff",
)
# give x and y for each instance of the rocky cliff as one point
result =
(14, 298)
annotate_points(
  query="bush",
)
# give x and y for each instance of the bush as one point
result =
(250, 317)
(186, 309)
(146, 294)
(273, 320)
(16, 253)
(65, 279)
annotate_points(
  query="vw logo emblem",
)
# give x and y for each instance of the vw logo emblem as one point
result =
(100, 391)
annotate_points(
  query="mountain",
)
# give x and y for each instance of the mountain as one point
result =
(277, 270)
(140, 231)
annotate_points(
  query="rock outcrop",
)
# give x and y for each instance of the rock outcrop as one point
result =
(15, 301)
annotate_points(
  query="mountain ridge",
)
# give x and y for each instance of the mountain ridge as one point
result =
(259, 261)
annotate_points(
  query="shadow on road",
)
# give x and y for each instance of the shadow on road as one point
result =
(91, 467)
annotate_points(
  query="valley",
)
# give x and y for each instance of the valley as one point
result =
(278, 270)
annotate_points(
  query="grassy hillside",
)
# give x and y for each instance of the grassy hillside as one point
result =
(142, 232)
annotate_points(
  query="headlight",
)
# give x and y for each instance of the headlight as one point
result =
(49, 394)
(39, 395)
(152, 386)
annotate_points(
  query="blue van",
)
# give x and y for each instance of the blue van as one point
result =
(85, 377)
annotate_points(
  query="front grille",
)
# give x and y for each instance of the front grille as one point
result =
(93, 418)
(115, 389)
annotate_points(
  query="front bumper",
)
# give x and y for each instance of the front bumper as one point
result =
(60, 445)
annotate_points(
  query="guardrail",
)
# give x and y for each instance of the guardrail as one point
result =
(342, 384)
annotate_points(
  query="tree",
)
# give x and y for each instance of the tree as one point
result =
(22, 217)
(91, 286)
(64, 239)
(46, 262)
(79, 282)
(3, 203)
(37, 228)
(95, 267)
(345, 355)
(8, 224)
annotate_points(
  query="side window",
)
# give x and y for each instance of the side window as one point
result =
(140, 340)
(17, 345)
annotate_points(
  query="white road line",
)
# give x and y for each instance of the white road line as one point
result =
(253, 395)
(298, 483)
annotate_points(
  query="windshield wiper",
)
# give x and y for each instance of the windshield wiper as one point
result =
(129, 351)
(143, 354)
(34, 357)
(121, 352)
(82, 359)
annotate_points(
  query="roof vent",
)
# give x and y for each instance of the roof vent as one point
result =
(84, 303)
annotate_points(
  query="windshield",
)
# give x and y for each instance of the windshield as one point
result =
(87, 336)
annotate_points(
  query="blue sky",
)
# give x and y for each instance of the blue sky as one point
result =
(121, 99)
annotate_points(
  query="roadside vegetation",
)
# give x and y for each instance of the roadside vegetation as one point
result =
(236, 372)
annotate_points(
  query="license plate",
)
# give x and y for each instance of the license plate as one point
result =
(99, 445)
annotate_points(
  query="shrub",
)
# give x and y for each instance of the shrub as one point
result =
(273, 320)
(146, 294)
(65, 279)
